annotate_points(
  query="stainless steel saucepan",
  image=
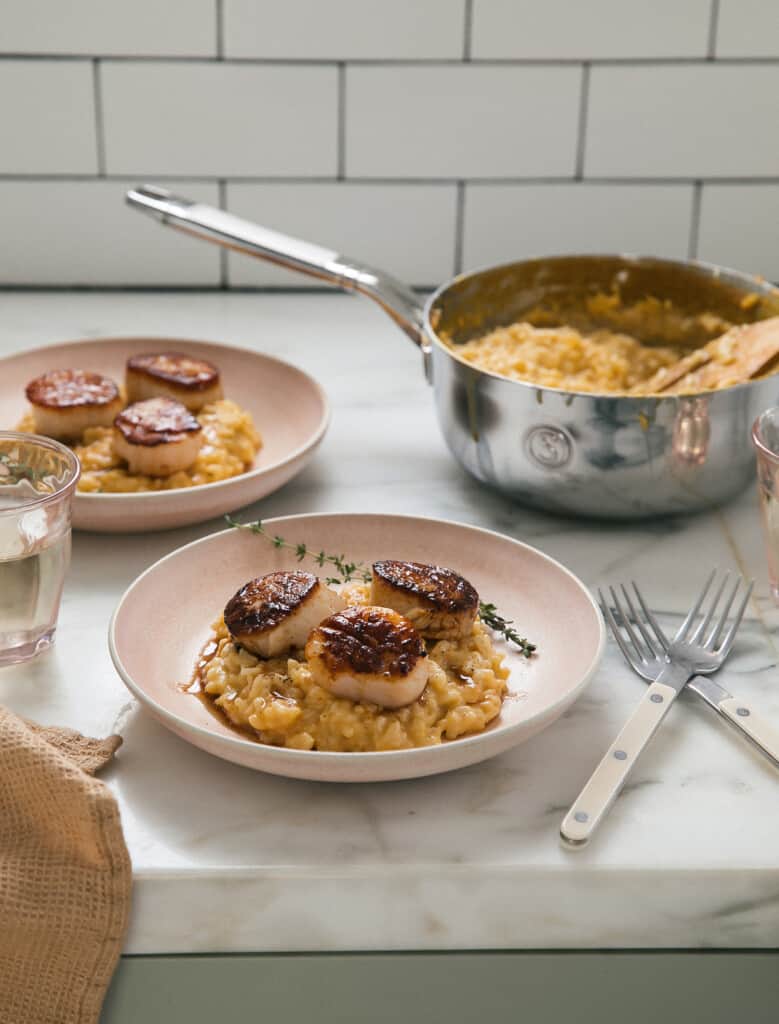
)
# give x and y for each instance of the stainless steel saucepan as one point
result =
(589, 455)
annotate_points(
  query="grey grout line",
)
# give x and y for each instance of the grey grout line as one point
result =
(97, 93)
(539, 61)
(468, 30)
(341, 123)
(695, 221)
(581, 140)
(459, 228)
(154, 288)
(220, 29)
(223, 275)
(209, 288)
(399, 61)
(293, 179)
(713, 25)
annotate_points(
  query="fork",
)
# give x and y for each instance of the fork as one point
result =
(756, 729)
(692, 652)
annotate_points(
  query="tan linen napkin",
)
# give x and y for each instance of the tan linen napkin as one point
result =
(65, 875)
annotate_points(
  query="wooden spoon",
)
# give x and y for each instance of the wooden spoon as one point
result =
(736, 356)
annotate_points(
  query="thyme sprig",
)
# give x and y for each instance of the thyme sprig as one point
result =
(348, 572)
(490, 616)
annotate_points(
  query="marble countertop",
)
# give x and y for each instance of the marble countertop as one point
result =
(230, 860)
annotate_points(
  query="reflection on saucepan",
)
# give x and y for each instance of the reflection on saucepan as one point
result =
(692, 432)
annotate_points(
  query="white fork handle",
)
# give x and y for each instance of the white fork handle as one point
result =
(760, 732)
(609, 777)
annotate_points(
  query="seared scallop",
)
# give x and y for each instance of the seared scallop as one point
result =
(369, 654)
(157, 437)
(274, 614)
(440, 603)
(193, 382)
(66, 402)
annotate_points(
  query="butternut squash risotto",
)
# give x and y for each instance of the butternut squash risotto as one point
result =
(559, 346)
(230, 443)
(562, 357)
(277, 702)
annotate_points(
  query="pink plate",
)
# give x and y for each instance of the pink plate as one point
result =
(154, 640)
(289, 409)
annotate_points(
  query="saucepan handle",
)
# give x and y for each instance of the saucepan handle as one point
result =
(397, 299)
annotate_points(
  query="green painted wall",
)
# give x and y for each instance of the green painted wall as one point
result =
(456, 988)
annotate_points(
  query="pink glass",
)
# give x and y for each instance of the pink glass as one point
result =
(765, 437)
(37, 479)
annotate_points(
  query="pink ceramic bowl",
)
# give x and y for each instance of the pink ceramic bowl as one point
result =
(548, 603)
(289, 409)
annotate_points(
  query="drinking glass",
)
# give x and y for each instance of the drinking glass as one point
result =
(37, 479)
(765, 437)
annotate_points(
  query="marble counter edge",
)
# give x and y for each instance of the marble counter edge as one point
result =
(233, 912)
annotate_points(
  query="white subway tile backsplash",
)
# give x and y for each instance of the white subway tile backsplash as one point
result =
(683, 121)
(589, 29)
(47, 117)
(219, 119)
(416, 135)
(82, 232)
(466, 121)
(739, 227)
(748, 28)
(101, 27)
(511, 222)
(345, 29)
(408, 230)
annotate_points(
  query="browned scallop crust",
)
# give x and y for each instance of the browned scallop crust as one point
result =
(263, 603)
(369, 639)
(156, 421)
(59, 389)
(440, 588)
(177, 369)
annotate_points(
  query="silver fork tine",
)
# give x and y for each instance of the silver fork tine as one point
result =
(730, 636)
(627, 627)
(693, 613)
(716, 632)
(637, 619)
(650, 618)
(704, 623)
(629, 656)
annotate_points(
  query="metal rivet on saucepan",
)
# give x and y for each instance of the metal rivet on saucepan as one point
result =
(548, 447)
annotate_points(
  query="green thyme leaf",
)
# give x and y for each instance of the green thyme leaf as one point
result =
(490, 617)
